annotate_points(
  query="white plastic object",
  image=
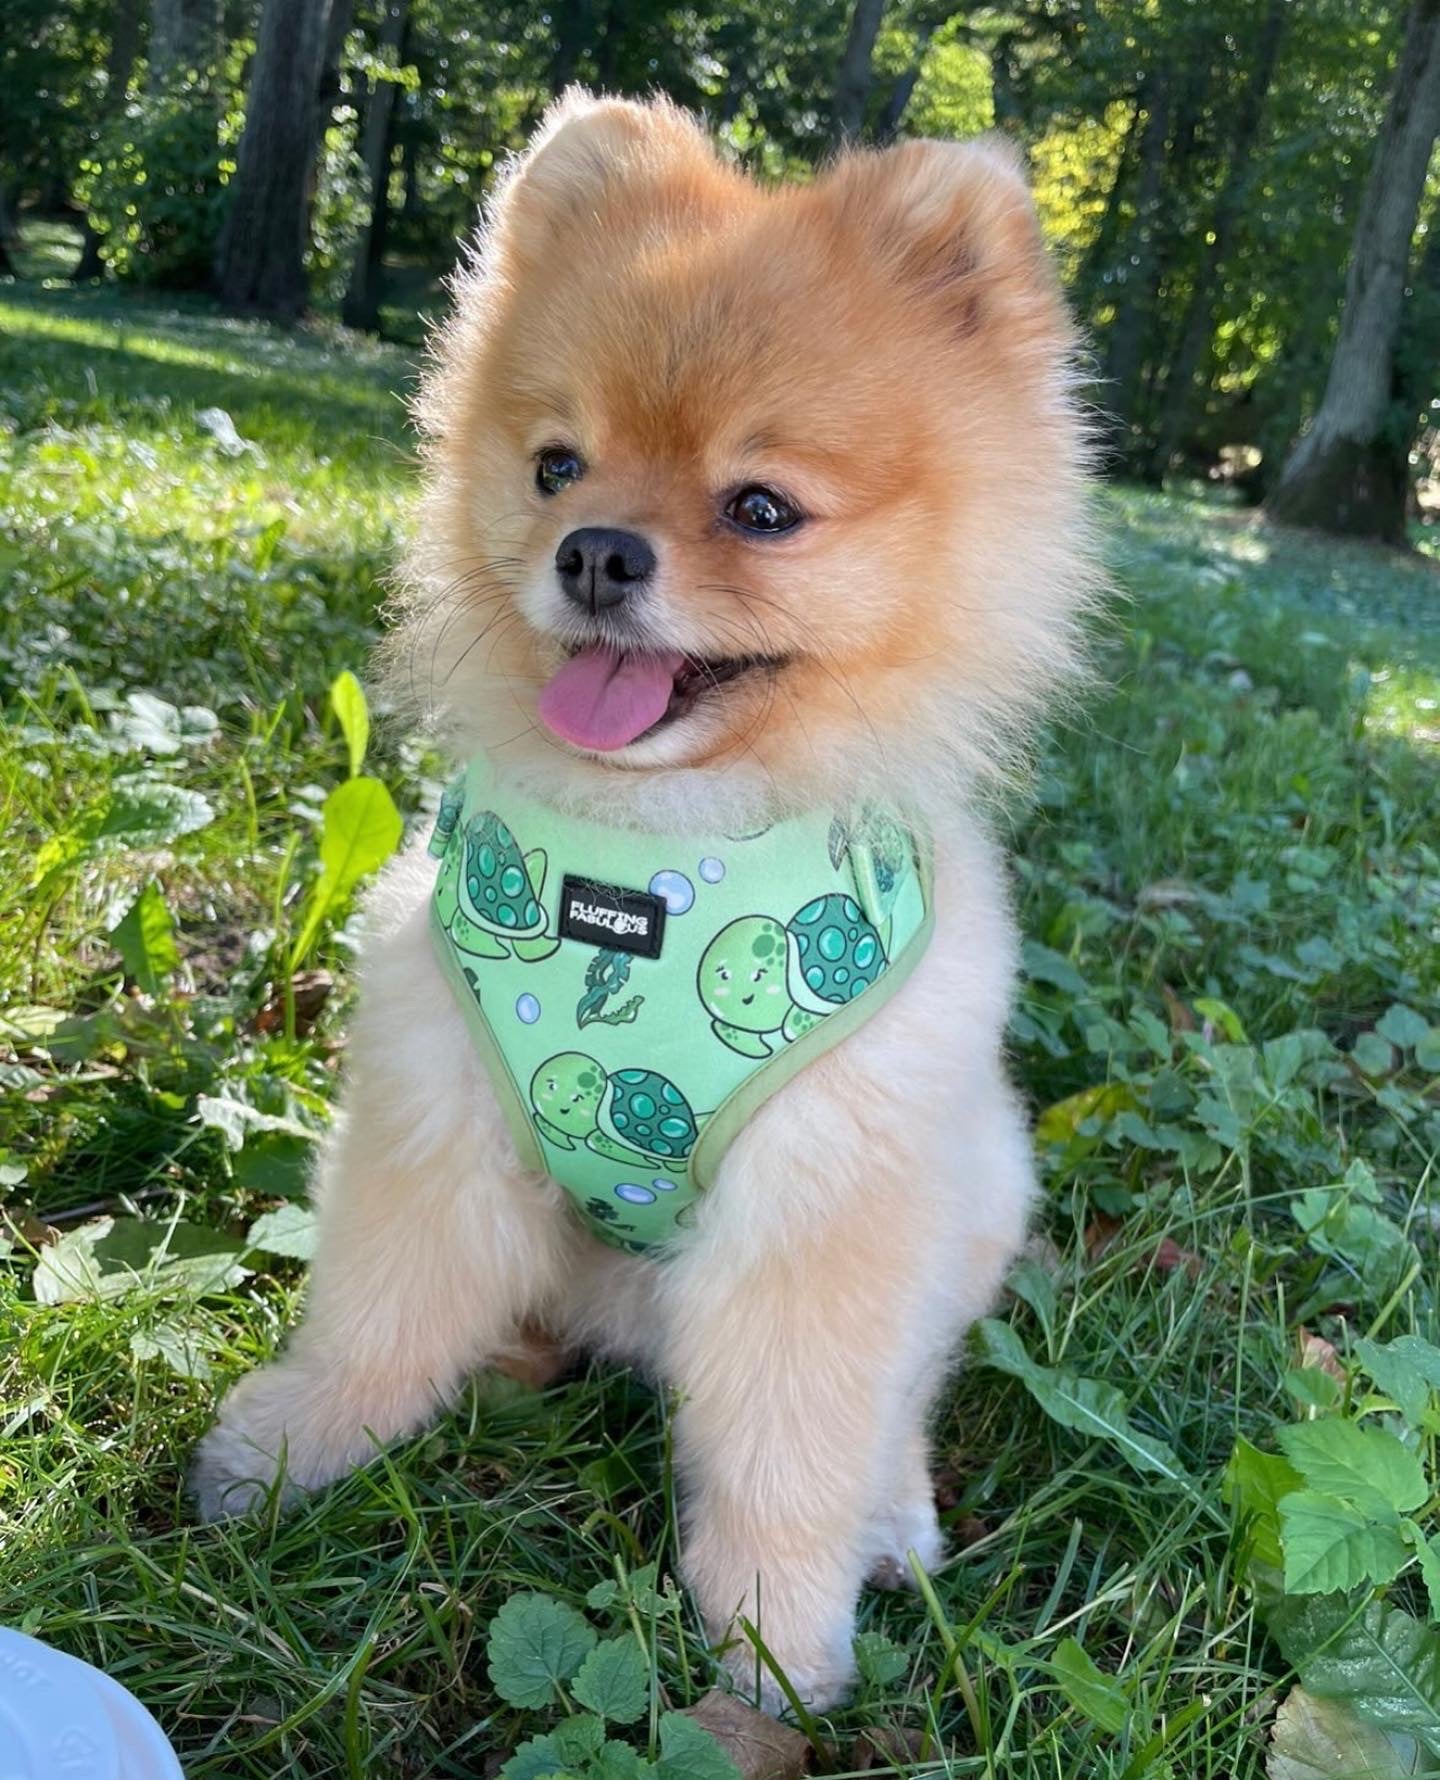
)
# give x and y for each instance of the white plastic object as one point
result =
(62, 1720)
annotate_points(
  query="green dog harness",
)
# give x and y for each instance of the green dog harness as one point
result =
(636, 997)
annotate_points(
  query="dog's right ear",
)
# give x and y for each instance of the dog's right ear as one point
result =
(587, 149)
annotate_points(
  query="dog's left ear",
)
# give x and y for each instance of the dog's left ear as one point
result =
(956, 221)
(587, 150)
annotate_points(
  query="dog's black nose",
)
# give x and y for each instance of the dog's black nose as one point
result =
(598, 567)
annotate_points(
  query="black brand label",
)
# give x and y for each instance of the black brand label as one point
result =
(621, 920)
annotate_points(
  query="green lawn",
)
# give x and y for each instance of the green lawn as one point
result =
(1230, 884)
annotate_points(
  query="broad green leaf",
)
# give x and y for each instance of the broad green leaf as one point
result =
(275, 1164)
(1222, 1016)
(579, 1737)
(1086, 1405)
(1089, 1691)
(1319, 1739)
(1402, 1026)
(614, 1680)
(618, 1761)
(537, 1759)
(288, 1230)
(111, 1256)
(360, 829)
(1427, 1550)
(1042, 965)
(157, 726)
(879, 1659)
(1427, 1052)
(145, 939)
(1060, 1123)
(146, 812)
(1381, 1661)
(1406, 1369)
(236, 1120)
(347, 701)
(177, 1345)
(1331, 1546)
(1366, 1466)
(689, 1752)
(535, 1644)
(1373, 1054)
(1255, 1484)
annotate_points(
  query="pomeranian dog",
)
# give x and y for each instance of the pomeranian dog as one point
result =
(740, 502)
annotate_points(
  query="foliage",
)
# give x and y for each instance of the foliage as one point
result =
(154, 185)
(1227, 1029)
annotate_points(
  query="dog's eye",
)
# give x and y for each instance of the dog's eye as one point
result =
(556, 467)
(758, 509)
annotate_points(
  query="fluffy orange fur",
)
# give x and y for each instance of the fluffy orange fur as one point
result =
(887, 346)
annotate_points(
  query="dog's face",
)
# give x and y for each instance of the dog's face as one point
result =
(719, 473)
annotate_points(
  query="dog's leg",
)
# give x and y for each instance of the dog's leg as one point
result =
(847, 1244)
(433, 1248)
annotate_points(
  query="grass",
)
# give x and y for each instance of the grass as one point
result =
(1227, 880)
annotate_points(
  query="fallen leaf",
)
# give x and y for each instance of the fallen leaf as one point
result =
(1100, 1233)
(885, 1746)
(311, 989)
(760, 1746)
(1181, 1018)
(1168, 1256)
(1319, 1739)
(1315, 1350)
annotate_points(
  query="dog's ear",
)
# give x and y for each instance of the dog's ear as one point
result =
(586, 149)
(953, 219)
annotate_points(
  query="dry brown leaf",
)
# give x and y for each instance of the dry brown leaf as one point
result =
(1315, 1350)
(1100, 1233)
(311, 989)
(1181, 1018)
(760, 1746)
(1317, 1739)
(885, 1746)
(1168, 1256)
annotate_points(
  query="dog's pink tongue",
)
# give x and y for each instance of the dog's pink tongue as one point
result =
(602, 699)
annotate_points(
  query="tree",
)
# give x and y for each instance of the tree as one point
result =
(184, 34)
(120, 59)
(1336, 478)
(857, 70)
(1198, 324)
(361, 307)
(260, 263)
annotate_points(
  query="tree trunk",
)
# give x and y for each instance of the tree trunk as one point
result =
(120, 61)
(9, 237)
(1336, 477)
(361, 306)
(1125, 340)
(1197, 327)
(327, 89)
(1417, 365)
(410, 167)
(260, 261)
(857, 71)
(183, 34)
(893, 115)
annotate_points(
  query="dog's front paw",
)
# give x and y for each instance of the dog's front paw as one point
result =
(819, 1679)
(230, 1475)
(902, 1527)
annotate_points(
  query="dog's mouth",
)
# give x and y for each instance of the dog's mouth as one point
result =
(604, 698)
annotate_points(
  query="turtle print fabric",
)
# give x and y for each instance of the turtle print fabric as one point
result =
(624, 1078)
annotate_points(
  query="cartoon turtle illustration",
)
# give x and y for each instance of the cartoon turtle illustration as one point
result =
(489, 893)
(630, 1115)
(763, 985)
(447, 817)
